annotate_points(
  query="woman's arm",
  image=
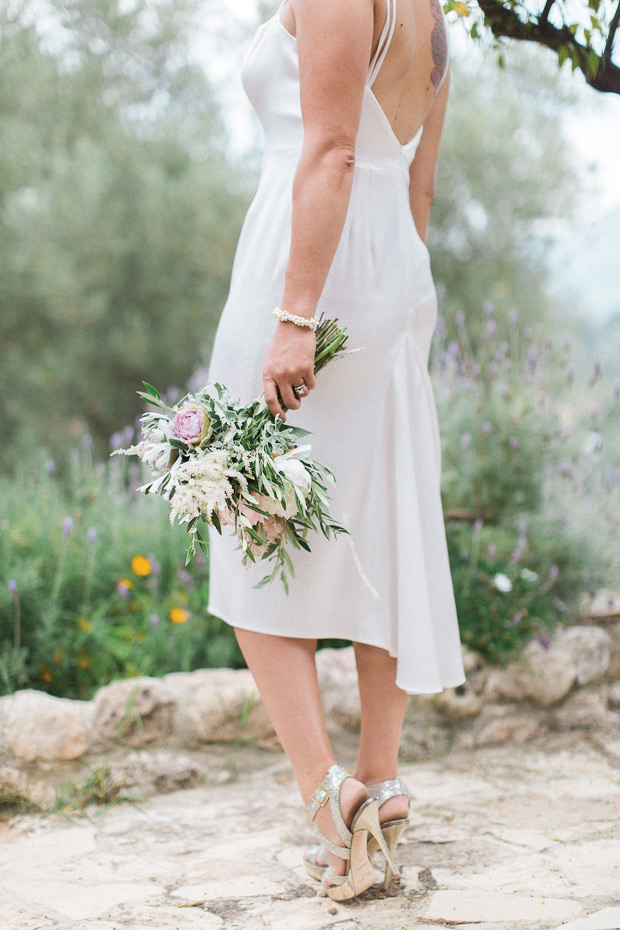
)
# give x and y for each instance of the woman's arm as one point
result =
(424, 166)
(334, 43)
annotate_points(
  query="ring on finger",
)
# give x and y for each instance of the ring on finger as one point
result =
(301, 389)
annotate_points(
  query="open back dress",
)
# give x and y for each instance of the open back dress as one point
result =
(372, 414)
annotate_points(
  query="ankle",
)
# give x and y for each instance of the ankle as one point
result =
(372, 775)
(311, 777)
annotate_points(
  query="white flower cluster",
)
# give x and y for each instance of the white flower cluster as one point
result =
(201, 485)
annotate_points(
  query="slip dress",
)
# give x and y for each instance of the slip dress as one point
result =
(372, 414)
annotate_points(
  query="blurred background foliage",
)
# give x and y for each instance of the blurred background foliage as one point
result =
(121, 200)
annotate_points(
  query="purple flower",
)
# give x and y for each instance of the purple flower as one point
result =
(478, 524)
(554, 571)
(453, 348)
(475, 370)
(50, 466)
(13, 588)
(487, 427)
(516, 618)
(440, 325)
(491, 327)
(566, 469)
(184, 576)
(87, 440)
(492, 550)
(128, 433)
(154, 621)
(598, 371)
(570, 373)
(515, 555)
(522, 527)
(493, 368)
(67, 526)
(92, 534)
(514, 442)
(460, 318)
(155, 565)
(532, 358)
(440, 290)
(488, 307)
(528, 334)
(513, 317)
(544, 641)
(116, 441)
(465, 441)
(191, 424)
(122, 588)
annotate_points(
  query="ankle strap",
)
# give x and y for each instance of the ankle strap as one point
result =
(384, 790)
(329, 790)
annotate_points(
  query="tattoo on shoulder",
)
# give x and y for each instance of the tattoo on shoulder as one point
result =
(439, 44)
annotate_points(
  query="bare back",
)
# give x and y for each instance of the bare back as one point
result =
(415, 65)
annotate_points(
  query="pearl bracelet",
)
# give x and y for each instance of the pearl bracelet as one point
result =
(285, 317)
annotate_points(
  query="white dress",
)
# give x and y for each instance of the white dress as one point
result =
(372, 414)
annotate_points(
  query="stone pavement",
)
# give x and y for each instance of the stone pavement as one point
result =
(501, 838)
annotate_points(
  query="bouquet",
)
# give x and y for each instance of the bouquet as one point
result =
(219, 462)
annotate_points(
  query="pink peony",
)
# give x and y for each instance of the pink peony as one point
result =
(191, 424)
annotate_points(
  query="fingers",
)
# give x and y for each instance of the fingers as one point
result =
(271, 398)
(284, 386)
(289, 397)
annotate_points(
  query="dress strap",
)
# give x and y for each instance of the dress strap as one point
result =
(384, 42)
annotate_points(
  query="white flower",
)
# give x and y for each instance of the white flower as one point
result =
(528, 575)
(201, 485)
(502, 583)
(294, 472)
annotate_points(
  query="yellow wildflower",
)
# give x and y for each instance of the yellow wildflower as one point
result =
(141, 566)
(178, 615)
(84, 660)
(58, 657)
(141, 636)
(83, 624)
(45, 674)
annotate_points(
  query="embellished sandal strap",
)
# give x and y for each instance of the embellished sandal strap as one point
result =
(384, 790)
(329, 790)
(331, 878)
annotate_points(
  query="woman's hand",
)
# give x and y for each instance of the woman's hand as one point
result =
(289, 362)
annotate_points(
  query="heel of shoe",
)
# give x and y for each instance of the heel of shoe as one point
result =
(368, 819)
(392, 832)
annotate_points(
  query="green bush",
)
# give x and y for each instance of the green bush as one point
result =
(531, 499)
(94, 585)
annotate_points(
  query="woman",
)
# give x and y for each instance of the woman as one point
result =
(348, 91)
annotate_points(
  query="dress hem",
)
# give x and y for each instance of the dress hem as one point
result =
(221, 615)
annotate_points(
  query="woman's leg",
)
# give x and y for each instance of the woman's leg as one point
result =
(284, 669)
(383, 710)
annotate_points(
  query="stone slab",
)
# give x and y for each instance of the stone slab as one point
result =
(81, 902)
(471, 907)
(606, 919)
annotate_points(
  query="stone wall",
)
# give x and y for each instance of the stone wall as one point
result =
(149, 726)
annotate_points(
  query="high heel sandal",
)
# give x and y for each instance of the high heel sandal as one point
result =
(392, 830)
(359, 873)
